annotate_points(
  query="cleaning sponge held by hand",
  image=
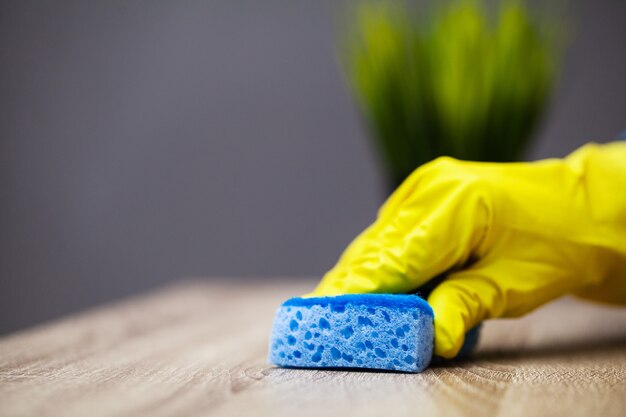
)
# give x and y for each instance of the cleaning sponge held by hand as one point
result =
(377, 331)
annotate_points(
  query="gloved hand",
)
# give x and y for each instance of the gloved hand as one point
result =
(512, 236)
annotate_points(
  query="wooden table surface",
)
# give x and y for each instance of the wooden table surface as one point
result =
(198, 348)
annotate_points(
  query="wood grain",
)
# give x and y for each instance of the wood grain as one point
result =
(198, 349)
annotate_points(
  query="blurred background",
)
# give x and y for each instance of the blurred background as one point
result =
(145, 142)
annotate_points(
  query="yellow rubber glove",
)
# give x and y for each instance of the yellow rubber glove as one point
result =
(511, 235)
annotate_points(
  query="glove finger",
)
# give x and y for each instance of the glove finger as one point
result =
(462, 301)
(436, 220)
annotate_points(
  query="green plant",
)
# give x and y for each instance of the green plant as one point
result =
(454, 81)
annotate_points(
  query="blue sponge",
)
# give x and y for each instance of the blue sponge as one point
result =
(379, 331)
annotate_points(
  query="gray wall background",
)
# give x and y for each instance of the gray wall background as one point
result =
(142, 142)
